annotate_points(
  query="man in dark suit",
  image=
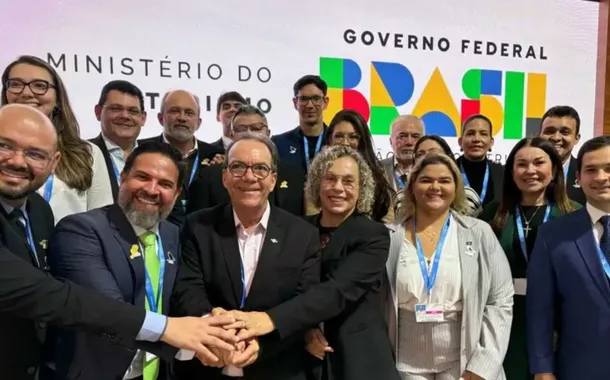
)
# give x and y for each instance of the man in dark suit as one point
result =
(568, 280)
(561, 126)
(180, 118)
(28, 300)
(106, 249)
(479, 172)
(208, 190)
(226, 106)
(300, 145)
(247, 255)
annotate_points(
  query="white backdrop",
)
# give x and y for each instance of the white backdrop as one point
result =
(152, 43)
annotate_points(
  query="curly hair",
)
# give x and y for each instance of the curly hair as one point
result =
(406, 208)
(322, 163)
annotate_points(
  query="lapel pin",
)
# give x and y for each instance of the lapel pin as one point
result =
(44, 243)
(205, 162)
(293, 150)
(170, 258)
(134, 251)
(274, 241)
(284, 185)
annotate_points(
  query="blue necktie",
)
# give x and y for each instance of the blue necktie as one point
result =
(604, 241)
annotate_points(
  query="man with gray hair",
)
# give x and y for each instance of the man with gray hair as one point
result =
(208, 190)
(404, 133)
(247, 255)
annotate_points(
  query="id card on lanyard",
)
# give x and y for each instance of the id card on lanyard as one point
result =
(485, 181)
(423, 312)
(316, 151)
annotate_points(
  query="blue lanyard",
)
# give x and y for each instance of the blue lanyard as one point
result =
(430, 279)
(117, 175)
(520, 233)
(605, 264)
(565, 174)
(318, 146)
(401, 183)
(242, 302)
(153, 303)
(48, 188)
(30, 238)
(485, 180)
(194, 169)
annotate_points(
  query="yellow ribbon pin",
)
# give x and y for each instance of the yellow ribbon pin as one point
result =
(205, 162)
(284, 185)
(135, 251)
(44, 243)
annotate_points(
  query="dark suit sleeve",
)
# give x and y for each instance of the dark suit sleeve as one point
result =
(76, 254)
(274, 343)
(199, 193)
(189, 296)
(357, 273)
(29, 293)
(540, 308)
(178, 213)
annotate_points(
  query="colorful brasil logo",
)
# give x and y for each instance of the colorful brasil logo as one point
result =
(392, 85)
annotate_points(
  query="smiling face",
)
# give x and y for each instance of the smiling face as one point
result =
(339, 189)
(434, 188)
(532, 170)
(147, 193)
(594, 177)
(32, 85)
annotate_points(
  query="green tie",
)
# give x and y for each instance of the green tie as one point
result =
(149, 239)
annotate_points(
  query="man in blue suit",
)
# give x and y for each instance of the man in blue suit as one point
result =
(126, 251)
(568, 281)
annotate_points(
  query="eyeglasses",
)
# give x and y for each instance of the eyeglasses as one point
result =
(239, 169)
(255, 128)
(349, 137)
(37, 86)
(316, 100)
(117, 110)
(348, 182)
(33, 158)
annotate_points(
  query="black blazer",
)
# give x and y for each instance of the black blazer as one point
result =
(177, 214)
(349, 302)
(21, 345)
(208, 190)
(496, 174)
(572, 187)
(291, 147)
(218, 145)
(209, 276)
(93, 249)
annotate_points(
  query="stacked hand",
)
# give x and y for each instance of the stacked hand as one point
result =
(250, 324)
(202, 335)
(316, 344)
(242, 354)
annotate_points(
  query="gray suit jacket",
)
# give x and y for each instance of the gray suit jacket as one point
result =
(388, 168)
(487, 296)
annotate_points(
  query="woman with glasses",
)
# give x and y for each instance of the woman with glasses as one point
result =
(534, 193)
(348, 128)
(80, 181)
(450, 291)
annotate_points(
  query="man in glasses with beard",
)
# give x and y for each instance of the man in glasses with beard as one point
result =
(126, 251)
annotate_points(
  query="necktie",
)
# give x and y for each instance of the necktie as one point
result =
(149, 240)
(17, 218)
(604, 241)
(403, 178)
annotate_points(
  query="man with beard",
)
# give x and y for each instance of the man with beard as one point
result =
(404, 133)
(226, 106)
(561, 126)
(126, 251)
(479, 173)
(180, 117)
(300, 145)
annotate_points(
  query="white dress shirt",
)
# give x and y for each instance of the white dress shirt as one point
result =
(116, 153)
(226, 142)
(67, 201)
(598, 228)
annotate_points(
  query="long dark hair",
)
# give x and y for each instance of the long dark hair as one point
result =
(383, 189)
(555, 192)
(437, 139)
(76, 165)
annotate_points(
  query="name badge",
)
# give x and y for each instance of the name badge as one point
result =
(425, 314)
(520, 285)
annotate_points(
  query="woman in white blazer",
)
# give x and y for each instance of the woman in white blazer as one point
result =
(80, 181)
(450, 292)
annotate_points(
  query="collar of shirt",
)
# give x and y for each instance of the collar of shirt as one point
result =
(8, 208)
(594, 213)
(140, 230)
(114, 148)
(195, 147)
(397, 167)
(262, 223)
(226, 142)
(567, 164)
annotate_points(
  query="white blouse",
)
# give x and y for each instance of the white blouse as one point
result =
(447, 291)
(67, 201)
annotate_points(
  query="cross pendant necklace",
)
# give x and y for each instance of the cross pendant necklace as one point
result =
(527, 229)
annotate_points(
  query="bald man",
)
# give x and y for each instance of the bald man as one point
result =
(404, 133)
(180, 117)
